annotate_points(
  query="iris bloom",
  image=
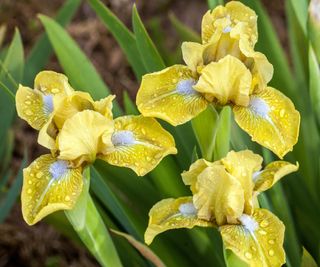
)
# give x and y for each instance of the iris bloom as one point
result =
(225, 196)
(224, 70)
(78, 130)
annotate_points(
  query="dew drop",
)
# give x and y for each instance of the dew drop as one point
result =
(262, 232)
(271, 252)
(271, 241)
(29, 191)
(282, 112)
(264, 223)
(67, 198)
(39, 174)
(29, 112)
(55, 90)
(248, 255)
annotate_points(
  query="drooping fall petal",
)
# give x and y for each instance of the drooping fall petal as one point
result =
(83, 136)
(228, 81)
(271, 120)
(271, 174)
(33, 107)
(242, 165)
(49, 185)
(169, 95)
(170, 214)
(258, 240)
(219, 196)
(139, 143)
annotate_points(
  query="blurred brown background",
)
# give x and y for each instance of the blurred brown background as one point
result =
(41, 245)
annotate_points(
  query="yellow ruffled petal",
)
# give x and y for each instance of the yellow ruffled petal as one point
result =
(192, 54)
(76, 102)
(258, 240)
(104, 106)
(32, 107)
(271, 120)
(227, 80)
(172, 214)
(242, 165)
(83, 136)
(49, 185)
(272, 173)
(223, 20)
(47, 135)
(52, 83)
(190, 177)
(260, 68)
(219, 196)
(139, 143)
(169, 95)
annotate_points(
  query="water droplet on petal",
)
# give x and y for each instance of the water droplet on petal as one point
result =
(264, 223)
(271, 252)
(248, 255)
(271, 241)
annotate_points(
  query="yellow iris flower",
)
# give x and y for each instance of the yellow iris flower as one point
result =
(224, 70)
(78, 130)
(225, 196)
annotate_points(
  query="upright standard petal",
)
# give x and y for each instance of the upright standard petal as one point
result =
(33, 107)
(49, 185)
(172, 214)
(192, 54)
(242, 165)
(223, 19)
(219, 196)
(272, 173)
(169, 95)
(72, 104)
(261, 69)
(228, 81)
(190, 176)
(258, 240)
(139, 143)
(83, 136)
(104, 106)
(52, 83)
(271, 120)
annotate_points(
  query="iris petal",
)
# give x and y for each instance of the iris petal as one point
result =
(30, 107)
(242, 165)
(169, 95)
(271, 120)
(259, 241)
(219, 196)
(172, 214)
(52, 83)
(223, 19)
(190, 177)
(139, 143)
(227, 80)
(49, 185)
(271, 174)
(83, 136)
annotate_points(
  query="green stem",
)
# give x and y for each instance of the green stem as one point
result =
(88, 224)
